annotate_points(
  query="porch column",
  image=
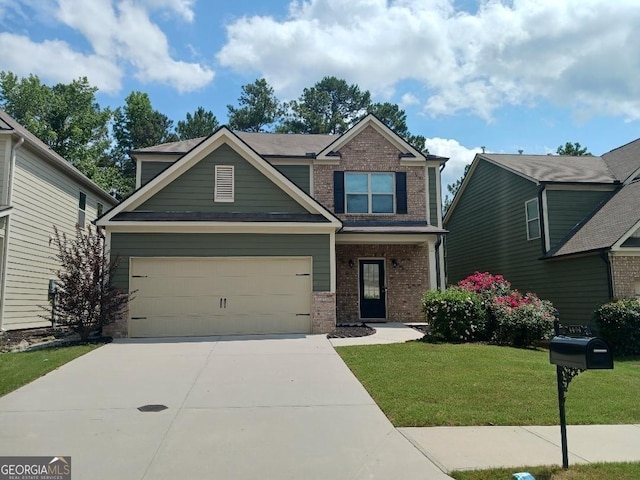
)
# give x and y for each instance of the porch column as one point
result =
(433, 275)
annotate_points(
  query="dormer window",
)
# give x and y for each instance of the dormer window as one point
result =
(533, 219)
(224, 188)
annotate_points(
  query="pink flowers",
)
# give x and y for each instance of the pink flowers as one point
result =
(486, 284)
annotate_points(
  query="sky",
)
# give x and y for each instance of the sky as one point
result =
(506, 75)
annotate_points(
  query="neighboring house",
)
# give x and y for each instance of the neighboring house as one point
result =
(38, 189)
(277, 233)
(566, 228)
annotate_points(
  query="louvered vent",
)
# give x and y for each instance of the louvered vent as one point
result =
(223, 191)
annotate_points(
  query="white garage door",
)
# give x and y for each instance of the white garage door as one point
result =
(219, 296)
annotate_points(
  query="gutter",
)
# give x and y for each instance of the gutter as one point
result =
(7, 230)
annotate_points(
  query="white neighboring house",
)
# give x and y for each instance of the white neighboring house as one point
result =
(38, 189)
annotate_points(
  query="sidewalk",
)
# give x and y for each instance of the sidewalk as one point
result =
(473, 448)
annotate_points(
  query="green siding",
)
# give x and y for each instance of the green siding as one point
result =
(487, 232)
(433, 197)
(298, 174)
(567, 208)
(193, 190)
(149, 170)
(127, 245)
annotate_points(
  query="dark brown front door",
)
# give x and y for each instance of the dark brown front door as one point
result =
(372, 289)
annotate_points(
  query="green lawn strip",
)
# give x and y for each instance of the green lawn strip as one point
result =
(19, 368)
(419, 384)
(593, 471)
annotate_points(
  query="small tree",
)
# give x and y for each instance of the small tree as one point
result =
(86, 299)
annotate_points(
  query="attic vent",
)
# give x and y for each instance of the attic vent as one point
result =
(223, 191)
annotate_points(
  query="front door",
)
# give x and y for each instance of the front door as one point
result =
(372, 289)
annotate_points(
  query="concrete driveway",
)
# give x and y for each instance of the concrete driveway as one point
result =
(282, 407)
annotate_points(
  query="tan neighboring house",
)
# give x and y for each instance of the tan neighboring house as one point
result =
(38, 189)
(245, 232)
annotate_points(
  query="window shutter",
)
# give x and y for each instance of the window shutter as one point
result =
(401, 192)
(223, 191)
(338, 191)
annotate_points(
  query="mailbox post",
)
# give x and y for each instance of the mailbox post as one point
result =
(573, 350)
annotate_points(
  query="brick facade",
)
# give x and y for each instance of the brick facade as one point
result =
(371, 152)
(323, 319)
(626, 274)
(406, 283)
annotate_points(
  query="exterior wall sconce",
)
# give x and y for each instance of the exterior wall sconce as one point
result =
(394, 263)
(351, 264)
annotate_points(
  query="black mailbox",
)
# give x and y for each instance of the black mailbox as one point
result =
(585, 353)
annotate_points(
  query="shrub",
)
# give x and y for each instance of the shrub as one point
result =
(486, 284)
(455, 315)
(522, 321)
(619, 324)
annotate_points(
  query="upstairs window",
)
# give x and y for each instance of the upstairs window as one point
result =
(82, 209)
(224, 188)
(369, 192)
(533, 219)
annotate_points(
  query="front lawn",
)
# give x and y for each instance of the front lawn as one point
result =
(594, 471)
(18, 369)
(419, 384)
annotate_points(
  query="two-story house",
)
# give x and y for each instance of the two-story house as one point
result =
(243, 232)
(566, 228)
(38, 189)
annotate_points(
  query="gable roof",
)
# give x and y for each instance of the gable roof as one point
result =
(265, 144)
(624, 161)
(611, 224)
(197, 153)
(9, 125)
(554, 168)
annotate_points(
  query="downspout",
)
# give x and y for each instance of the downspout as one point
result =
(7, 230)
(543, 229)
(604, 255)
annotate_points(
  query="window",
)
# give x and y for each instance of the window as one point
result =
(369, 192)
(82, 207)
(533, 219)
(637, 285)
(223, 191)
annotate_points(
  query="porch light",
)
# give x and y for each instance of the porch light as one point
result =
(394, 263)
(351, 264)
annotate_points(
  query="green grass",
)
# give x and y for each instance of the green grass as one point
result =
(593, 471)
(419, 384)
(18, 369)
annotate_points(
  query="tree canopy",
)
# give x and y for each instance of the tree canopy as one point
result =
(200, 124)
(258, 108)
(573, 149)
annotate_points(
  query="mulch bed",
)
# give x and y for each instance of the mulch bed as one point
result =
(351, 330)
(423, 328)
(33, 338)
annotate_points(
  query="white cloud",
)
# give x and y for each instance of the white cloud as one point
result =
(120, 36)
(459, 156)
(409, 99)
(575, 53)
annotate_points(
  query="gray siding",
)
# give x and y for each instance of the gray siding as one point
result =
(433, 197)
(149, 170)
(298, 174)
(5, 154)
(567, 208)
(128, 245)
(43, 197)
(193, 190)
(488, 233)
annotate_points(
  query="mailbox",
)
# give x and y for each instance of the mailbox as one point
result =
(585, 353)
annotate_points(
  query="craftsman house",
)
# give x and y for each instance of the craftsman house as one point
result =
(245, 232)
(566, 228)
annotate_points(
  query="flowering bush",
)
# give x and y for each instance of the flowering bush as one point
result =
(619, 324)
(455, 315)
(486, 284)
(521, 320)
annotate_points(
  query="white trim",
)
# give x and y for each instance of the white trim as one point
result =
(382, 129)
(626, 236)
(443, 272)
(370, 193)
(545, 220)
(138, 173)
(590, 188)
(426, 194)
(433, 274)
(632, 177)
(326, 161)
(224, 180)
(158, 157)
(306, 162)
(439, 197)
(626, 252)
(384, 238)
(222, 137)
(410, 162)
(311, 187)
(7, 170)
(220, 227)
(332, 263)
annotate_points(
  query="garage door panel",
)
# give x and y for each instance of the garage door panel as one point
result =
(211, 296)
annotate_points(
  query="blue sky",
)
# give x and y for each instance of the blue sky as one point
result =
(504, 74)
